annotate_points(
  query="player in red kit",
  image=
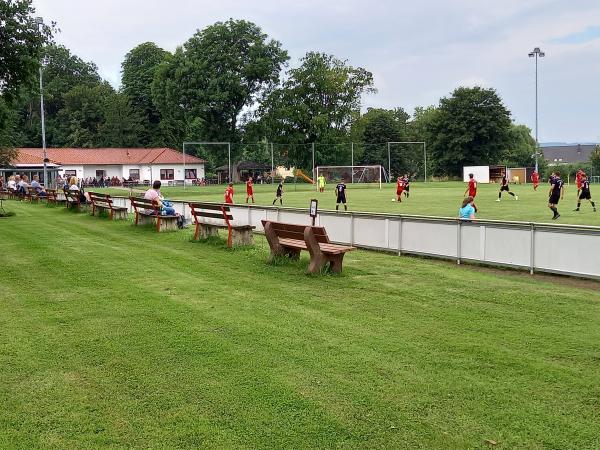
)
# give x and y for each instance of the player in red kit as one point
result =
(249, 190)
(579, 178)
(472, 189)
(535, 179)
(229, 193)
(399, 188)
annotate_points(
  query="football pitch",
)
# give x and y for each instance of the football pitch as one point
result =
(429, 199)
(116, 336)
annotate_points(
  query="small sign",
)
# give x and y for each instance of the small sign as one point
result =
(313, 207)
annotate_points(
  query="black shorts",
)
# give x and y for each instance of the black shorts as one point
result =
(554, 198)
(341, 199)
(585, 195)
(407, 188)
(504, 188)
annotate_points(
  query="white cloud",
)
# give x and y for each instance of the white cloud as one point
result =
(418, 51)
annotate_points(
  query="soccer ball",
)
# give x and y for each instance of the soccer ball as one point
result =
(393, 199)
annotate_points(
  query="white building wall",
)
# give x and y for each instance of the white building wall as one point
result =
(147, 172)
(78, 169)
(110, 170)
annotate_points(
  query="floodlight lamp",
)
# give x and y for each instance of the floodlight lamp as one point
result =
(542, 54)
(531, 55)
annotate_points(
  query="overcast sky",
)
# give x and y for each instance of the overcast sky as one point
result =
(418, 51)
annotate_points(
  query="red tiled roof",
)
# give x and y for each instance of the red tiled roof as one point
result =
(26, 158)
(100, 156)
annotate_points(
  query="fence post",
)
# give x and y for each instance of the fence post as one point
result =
(532, 256)
(351, 228)
(400, 236)
(458, 240)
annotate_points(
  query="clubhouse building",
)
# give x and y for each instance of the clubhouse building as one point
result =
(140, 164)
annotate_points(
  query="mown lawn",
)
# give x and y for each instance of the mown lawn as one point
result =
(116, 336)
(431, 199)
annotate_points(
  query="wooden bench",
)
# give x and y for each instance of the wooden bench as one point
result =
(52, 197)
(290, 239)
(33, 195)
(104, 203)
(4, 194)
(72, 199)
(221, 214)
(148, 211)
(12, 193)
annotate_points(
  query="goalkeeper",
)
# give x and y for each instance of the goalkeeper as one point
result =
(321, 182)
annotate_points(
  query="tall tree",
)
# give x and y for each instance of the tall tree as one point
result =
(138, 70)
(220, 71)
(318, 102)
(521, 147)
(62, 72)
(377, 127)
(21, 42)
(123, 124)
(472, 127)
(84, 114)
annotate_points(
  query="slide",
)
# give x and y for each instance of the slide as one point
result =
(299, 173)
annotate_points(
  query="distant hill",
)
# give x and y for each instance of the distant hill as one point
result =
(555, 144)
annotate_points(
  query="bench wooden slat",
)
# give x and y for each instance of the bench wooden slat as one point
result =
(241, 233)
(291, 239)
(211, 206)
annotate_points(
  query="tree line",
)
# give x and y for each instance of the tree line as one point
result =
(231, 82)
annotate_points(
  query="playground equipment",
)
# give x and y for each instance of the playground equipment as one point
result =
(301, 174)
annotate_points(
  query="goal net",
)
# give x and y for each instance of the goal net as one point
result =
(353, 174)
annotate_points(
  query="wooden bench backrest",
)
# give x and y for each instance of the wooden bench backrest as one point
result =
(211, 211)
(144, 205)
(72, 196)
(97, 198)
(293, 231)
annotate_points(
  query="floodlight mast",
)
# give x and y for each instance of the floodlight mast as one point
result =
(536, 53)
(40, 22)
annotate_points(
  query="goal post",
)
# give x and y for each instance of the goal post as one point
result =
(352, 174)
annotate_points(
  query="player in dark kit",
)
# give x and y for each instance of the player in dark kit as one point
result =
(340, 192)
(504, 187)
(585, 193)
(406, 180)
(279, 193)
(556, 193)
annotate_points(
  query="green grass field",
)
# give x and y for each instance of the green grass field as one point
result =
(431, 199)
(116, 336)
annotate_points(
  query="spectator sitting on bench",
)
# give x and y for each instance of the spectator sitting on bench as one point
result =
(74, 187)
(23, 184)
(154, 194)
(11, 183)
(38, 187)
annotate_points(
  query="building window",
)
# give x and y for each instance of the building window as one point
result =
(190, 174)
(134, 174)
(100, 174)
(167, 174)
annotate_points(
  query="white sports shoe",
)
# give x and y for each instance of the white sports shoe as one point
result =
(497, 199)
(516, 197)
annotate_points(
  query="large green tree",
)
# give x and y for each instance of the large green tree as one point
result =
(472, 127)
(21, 42)
(138, 71)
(62, 72)
(83, 114)
(374, 129)
(217, 74)
(123, 125)
(318, 102)
(520, 150)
